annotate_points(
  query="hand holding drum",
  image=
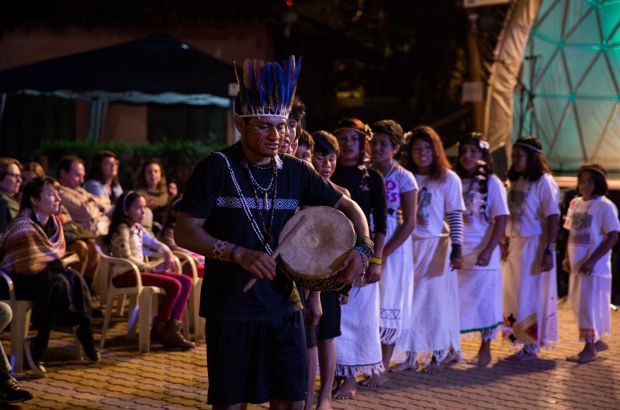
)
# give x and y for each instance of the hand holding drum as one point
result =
(313, 245)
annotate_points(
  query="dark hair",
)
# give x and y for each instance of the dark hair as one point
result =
(305, 139)
(94, 169)
(390, 128)
(120, 214)
(5, 163)
(66, 162)
(537, 165)
(477, 140)
(599, 175)
(298, 111)
(362, 130)
(440, 162)
(140, 180)
(325, 143)
(484, 169)
(34, 167)
(33, 188)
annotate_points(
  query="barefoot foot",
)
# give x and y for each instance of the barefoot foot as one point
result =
(585, 356)
(601, 346)
(400, 367)
(346, 390)
(522, 356)
(324, 404)
(377, 380)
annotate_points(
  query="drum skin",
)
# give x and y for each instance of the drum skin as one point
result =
(312, 254)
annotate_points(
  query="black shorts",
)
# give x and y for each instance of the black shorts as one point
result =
(256, 361)
(329, 325)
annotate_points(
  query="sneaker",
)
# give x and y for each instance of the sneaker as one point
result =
(36, 366)
(85, 336)
(11, 392)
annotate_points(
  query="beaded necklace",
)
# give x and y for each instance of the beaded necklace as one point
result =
(246, 208)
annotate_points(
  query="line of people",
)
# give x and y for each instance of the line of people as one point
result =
(456, 253)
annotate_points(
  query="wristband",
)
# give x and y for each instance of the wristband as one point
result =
(551, 246)
(233, 251)
(457, 252)
(376, 261)
(217, 249)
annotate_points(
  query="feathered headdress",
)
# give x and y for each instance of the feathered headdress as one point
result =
(266, 87)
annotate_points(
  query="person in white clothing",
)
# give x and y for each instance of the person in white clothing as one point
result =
(528, 252)
(592, 221)
(434, 316)
(486, 211)
(395, 287)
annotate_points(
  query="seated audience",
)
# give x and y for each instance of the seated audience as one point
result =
(10, 182)
(102, 177)
(128, 239)
(32, 252)
(150, 182)
(32, 170)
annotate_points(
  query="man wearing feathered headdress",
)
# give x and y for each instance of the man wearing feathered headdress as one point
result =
(235, 206)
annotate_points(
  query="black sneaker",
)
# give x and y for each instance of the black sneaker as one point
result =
(11, 392)
(85, 336)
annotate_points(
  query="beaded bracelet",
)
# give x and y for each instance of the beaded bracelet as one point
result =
(365, 245)
(217, 249)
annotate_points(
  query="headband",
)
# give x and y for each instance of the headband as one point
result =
(125, 201)
(594, 169)
(531, 147)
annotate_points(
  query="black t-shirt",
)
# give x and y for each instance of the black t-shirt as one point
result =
(368, 190)
(210, 194)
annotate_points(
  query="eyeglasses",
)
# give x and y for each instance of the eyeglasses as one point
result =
(8, 174)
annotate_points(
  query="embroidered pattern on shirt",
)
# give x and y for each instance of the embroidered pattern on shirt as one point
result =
(235, 203)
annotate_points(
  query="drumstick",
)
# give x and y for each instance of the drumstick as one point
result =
(275, 254)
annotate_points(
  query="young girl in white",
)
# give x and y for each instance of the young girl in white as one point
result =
(486, 211)
(592, 221)
(358, 349)
(434, 317)
(528, 253)
(397, 263)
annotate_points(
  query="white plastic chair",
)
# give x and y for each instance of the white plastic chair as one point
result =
(20, 327)
(195, 320)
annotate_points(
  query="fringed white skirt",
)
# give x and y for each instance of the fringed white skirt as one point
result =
(530, 295)
(589, 298)
(396, 289)
(358, 349)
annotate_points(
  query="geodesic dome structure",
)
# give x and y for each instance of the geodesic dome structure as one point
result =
(568, 88)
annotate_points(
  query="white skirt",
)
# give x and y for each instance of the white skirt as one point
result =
(589, 298)
(530, 295)
(435, 308)
(480, 299)
(396, 289)
(358, 349)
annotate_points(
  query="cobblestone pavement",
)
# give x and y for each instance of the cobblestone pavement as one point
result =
(178, 380)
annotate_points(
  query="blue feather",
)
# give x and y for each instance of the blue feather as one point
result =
(268, 76)
(280, 87)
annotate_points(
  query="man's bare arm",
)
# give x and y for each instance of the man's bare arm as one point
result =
(189, 234)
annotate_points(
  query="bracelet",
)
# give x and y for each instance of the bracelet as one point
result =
(233, 251)
(376, 261)
(551, 246)
(217, 249)
(364, 244)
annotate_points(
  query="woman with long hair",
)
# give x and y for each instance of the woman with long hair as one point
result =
(486, 212)
(434, 316)
(102, 176)
(528, 252)
(150, 182)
